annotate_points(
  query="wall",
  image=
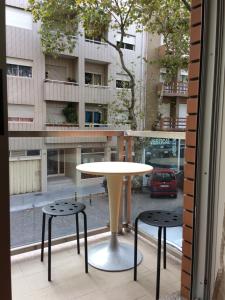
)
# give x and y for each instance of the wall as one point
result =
(190, 151)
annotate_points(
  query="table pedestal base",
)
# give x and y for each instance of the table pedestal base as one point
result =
(112, 256)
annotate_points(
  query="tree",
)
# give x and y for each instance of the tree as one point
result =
(60, 25)
(170, 19)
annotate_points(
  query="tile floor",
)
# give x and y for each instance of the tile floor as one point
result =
(69, 282)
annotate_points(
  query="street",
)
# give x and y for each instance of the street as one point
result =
(26, 217)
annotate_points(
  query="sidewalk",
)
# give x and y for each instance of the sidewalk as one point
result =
(57, 190)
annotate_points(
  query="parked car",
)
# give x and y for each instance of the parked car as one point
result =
(163, 183)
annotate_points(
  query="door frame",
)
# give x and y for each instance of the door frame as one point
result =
(5, 269)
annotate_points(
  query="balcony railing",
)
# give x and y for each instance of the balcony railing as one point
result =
(61, 90)
(58, 152)
(170, 124)
(61, 126)
(173, 89)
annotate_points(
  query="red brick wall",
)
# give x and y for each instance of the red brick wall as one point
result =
(190, 152)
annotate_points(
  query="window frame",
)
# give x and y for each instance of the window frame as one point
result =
(18, 70)
(93, 78)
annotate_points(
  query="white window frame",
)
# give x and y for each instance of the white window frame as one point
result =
(13, 14)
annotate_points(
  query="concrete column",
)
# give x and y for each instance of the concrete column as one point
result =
(81, 114)
(81, 80)
(78, 161)
(70, 164)
(81, 70)
(107, 150)
(44, 181)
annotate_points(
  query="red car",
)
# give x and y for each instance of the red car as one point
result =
(163, 183)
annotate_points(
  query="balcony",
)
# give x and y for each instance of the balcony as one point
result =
(61, 90)
(170, 124)
(29, 279)
(98, 94)
(179, 89)
(61, 126)
(53, 169)
(97, 51)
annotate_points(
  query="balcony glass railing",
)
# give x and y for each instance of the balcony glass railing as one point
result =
(43, 169)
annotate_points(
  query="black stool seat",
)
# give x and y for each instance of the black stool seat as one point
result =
(63, 208)
(160, 218)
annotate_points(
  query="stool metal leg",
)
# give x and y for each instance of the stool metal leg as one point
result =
(43, 236)
(135, 248)
(78, 234)
(158, 263)
(49, 246)
(164, 251)
(85, 242)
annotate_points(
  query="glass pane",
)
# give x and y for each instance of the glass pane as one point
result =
(31, 188)
(88, 117)
(97, 117)
(122, 84)
(88, 78)
(163, 188)
(129, 46)
(33, 152)
(25, 71)
(61, 161)
(12, 70)
(91, 155)
(97, 79)
(52, 162)
(121, 45)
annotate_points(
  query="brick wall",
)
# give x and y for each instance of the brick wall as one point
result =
(190, 152)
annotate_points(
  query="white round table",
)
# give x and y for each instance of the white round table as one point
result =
(112, 255)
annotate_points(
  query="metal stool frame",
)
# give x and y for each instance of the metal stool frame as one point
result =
(51, 216)
(165, 219)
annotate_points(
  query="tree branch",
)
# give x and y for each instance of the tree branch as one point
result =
(131, 116)
(128, 12)
(187, 5)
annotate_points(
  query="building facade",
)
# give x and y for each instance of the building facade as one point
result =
(172, 99)
(72, 91)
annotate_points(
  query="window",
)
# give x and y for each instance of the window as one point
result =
(94, 79)
(18, 153)
(96, 40)
(33, 152)
(19, 70)
(93, 117)
(163, 74)
(163, 177)
(122, 84)
(55, 161)
(20, 113)
(127, 46)
(18, 18)
(91, 155)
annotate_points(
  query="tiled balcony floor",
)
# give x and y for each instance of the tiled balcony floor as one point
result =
(69, 282)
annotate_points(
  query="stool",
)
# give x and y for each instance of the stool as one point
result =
(162, 220)
(61, 209)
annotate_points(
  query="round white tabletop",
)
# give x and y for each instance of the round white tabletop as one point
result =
(113, 256)
(114, 168)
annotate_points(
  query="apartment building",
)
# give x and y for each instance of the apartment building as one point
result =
(172, 99)
(70, 92)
